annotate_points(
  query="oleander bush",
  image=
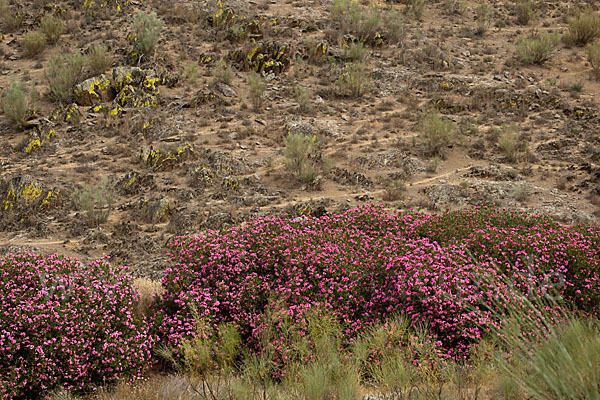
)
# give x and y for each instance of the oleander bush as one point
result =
(366, 266)
(65, 325)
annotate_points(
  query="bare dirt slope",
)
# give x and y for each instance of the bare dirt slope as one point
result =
(202, 154)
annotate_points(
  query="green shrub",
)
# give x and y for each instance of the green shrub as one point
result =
(9, 21)
(52, 27)
(584, 27)
(437, 133)
(525, 10)
(485, 14)
(353, 18)
(222, 73)
(63, 73)
(146, 31)
(97, 201)
(303, 98)
(33, 43)
(394, 26)
(257, 86)
(98, 59)
(537, 48)
(355, 51)
(17, 102)
(593, 55)
(297, 150)
(355, 81)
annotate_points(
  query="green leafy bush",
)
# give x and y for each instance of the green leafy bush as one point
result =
(355, 81)
(525, 10)
(97, 201)
(98, 59)
(63, 73)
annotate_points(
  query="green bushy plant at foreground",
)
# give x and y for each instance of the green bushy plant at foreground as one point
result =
(17, 102)
(146, 31)
(63, 73)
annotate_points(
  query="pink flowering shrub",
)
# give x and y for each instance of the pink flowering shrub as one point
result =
(64, 324)
(443, 272)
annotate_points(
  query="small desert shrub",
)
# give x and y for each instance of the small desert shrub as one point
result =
(352, 17)
(52, 27)
(437, 133)
(63, 73)
(67, 324)
(508, 144)
(394, 26)
(525, 10)
(146, 31)
(416, 8)
(9, 21)
(521, 192)
(297, 152)
(97, 201)
(257, 86)
(394, 191)
(33, 43)
(191, 73)
(455, 7)
(485, 14)
(98, 59)
(222, 73)
(356, 80)
(303, 98)
(355, 51)
(584, 27)
(147, 289)
(17, 102)
(593, 55)
(537, 48)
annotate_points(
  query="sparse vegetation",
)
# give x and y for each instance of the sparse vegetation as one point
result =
(222, 73)
(584, 27)
(52, 27)
(17, 102)
(526, 11)
(593, 56)
(257, 86)
(63, 73)
(96, 201)
(146, 32)
(437, 133)
(355, 81)
(33, 43)
(537, 47)
(98, 59)
(303, 99)
(297, 151)
(485, 14)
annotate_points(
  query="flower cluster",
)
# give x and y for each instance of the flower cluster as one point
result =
(447, 273)
(64, 324)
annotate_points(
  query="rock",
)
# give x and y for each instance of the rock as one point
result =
(225, 90)
(93, 90)
(123, 76)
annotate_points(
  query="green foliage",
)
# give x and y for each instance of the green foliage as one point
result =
(437, 133)
(17, 102)
(297, 152)
(593, 56)
(510, 145)
(256, 88)
(584, 27)
(98, 59)
(97, 201)
(9, 21)
(146, 31)
(33, 43)
(537, 47)
(63, 73)
(353, 18)
(191, 73)
(355, 51)
(303, 98)
(484, 13)
(52, 27)
(525, 10)
(355, 81)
